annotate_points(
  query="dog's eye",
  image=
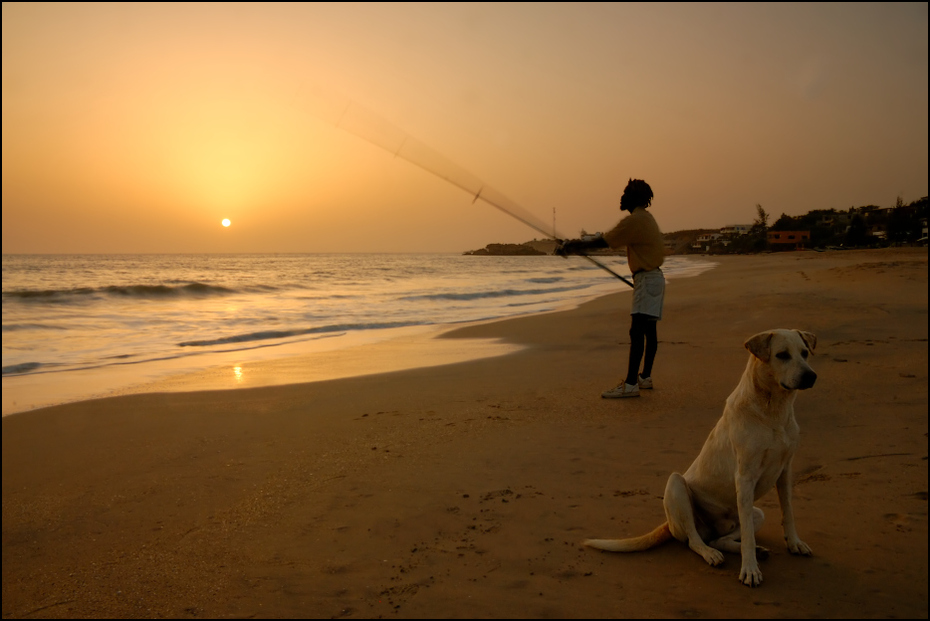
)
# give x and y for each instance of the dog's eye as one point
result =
(804, 354)
(783, 355)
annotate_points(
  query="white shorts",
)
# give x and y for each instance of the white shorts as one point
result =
(648, 293)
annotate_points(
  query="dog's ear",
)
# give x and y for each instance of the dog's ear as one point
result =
(760, 346)
(809, 338)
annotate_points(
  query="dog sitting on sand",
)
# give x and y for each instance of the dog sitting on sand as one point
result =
(749, 451)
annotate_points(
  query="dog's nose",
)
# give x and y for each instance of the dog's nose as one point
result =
(807, 380)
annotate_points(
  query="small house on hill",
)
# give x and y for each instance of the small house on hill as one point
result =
(788, 240)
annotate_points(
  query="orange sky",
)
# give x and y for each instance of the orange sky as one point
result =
(139, 127)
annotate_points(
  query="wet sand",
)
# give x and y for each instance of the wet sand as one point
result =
(464, 490)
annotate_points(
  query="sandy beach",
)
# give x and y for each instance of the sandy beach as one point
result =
(465, 490)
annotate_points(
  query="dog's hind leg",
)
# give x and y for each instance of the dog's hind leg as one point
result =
(679, 509)
(731, 541)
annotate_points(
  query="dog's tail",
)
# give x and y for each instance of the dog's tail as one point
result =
(633, 544)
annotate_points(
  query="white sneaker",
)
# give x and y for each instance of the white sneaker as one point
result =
(622, 391)
(644, 383)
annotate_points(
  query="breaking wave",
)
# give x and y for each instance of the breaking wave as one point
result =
(282, 334)
(495, 293)
(123, 291)
(19, 369)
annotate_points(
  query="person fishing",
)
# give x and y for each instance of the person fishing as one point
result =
(645, 252)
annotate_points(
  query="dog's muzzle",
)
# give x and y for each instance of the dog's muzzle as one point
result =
(807, 380)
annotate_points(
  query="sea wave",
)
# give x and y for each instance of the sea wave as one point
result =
(282, 334)
(36, 368)
(15, 327)
(136, 291)
(21, 369)
(494, 293)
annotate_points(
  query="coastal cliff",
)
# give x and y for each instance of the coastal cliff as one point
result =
(525, 249)
(530, 248)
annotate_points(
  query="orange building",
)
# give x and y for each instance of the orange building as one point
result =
(780, 240)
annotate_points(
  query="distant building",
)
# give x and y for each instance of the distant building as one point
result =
(708, 237)
(840, 220)
(705, 241)
(780, 240)
(735, 229)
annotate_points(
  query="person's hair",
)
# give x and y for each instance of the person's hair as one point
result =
(639, 193)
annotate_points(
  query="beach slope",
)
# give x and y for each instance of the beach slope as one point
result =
(465, 490)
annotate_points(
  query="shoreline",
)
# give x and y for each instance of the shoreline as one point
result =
(465, 489)
(297, 359)
(340, 355)
(293, 363)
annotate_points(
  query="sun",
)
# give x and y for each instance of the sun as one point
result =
(226, 222)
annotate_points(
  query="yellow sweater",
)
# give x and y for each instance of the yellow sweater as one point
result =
(640, 233)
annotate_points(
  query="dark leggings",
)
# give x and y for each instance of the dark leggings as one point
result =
(642, 330)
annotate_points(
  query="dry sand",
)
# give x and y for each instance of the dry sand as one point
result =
(464, 490)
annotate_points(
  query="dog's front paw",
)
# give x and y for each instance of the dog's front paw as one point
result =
(750, 574)
(799, 547)
(712, 556)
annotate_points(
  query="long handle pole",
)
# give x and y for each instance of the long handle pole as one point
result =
(366, 125)
(607, 269)
(532, 225)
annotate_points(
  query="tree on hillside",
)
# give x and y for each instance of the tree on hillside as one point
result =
(899, 227)
(757, 233)
(858, 233)
(754, 240)
(786, 223)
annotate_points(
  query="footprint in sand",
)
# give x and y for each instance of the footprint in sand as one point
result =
(901, 521)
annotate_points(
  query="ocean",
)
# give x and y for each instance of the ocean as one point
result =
(65, 315)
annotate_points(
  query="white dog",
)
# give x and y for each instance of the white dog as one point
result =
(748, 452)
